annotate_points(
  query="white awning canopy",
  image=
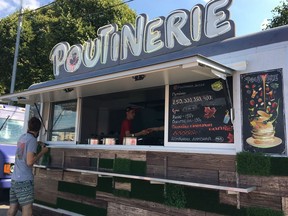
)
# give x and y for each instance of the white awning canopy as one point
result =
(184, 70)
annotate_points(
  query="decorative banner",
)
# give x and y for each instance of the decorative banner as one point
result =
(262, 108)
(200, 112)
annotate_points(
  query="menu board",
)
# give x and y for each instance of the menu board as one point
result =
(200, 112)
(262, 108)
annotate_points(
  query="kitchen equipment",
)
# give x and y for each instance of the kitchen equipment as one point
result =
(93, 141)
(130, 141)
(109, 141)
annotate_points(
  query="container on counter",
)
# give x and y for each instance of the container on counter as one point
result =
(130, 141)
(109, 141)
(93, 141)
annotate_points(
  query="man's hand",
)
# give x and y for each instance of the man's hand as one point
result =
(44, 148)
(145, 132)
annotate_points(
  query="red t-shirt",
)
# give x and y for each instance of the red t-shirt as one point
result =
(125, 126)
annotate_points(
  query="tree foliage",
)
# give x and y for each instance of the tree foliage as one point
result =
(280, 15)
(74, 21)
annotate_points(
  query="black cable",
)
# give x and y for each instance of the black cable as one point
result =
(4, 122)
(38, 111)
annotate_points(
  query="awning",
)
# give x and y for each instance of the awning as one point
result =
(184, 70)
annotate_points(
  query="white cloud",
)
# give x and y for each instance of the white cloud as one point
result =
(264, 24)
(3, 4)
(31, 4)
(9, 6)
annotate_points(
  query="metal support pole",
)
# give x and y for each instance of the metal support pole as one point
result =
(17, 48)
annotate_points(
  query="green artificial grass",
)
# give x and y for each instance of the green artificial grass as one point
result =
(138, 168)
(208, 201)
(253, 164)
(143, 190)
(279, 166)
(80, 208)
(263, 212)
(261, 165)
(175, 196)
(122, 166)
(77, 189)
(105, 184)
(106, 163)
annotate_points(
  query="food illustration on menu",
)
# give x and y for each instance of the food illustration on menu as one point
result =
(263, 112)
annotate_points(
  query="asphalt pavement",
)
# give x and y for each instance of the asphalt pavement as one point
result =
(4, 203)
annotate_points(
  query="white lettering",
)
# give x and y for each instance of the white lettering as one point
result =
(152, 39)
(104, 34)
(196, 23)
(133, 38)
(174, 23)
(217, 22)
(91, 53)
(115, 47)
(58, 56)
(184, 28)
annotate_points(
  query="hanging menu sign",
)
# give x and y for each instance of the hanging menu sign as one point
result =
(199, 112)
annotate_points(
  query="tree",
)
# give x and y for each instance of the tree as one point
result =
(73, 21)
(280, 16)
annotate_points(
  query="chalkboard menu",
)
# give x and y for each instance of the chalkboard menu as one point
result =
(200, 112)
(263, 128)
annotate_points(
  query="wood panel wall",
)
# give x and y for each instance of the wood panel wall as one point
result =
(203, 168)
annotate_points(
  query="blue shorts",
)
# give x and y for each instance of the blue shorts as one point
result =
(22, 192)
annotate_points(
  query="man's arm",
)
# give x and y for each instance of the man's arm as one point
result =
(32, 157)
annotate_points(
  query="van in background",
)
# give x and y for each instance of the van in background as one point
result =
(11, 128)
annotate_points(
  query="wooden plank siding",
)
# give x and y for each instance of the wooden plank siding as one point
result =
(80, 178)
(285, 205)
(197, 161)
(46, 189)
(190, 167)
(124, 206)
(272, 191)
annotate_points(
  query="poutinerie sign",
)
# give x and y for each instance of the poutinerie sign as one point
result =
(148, 38)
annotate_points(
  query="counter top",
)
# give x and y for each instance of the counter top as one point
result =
(225, 149)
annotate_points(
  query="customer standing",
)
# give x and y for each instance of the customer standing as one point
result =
(22, 181)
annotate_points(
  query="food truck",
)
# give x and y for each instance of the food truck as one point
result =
(221, 101)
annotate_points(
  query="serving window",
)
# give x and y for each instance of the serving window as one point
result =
(102, 115)
(63, 121)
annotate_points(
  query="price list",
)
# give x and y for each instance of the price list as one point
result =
(199, 112)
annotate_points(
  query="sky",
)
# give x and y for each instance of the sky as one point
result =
(248, 15)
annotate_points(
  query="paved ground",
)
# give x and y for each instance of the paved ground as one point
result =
(4, 204)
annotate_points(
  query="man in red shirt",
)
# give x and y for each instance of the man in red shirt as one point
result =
(126, 126)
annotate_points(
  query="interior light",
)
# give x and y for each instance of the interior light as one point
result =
(67, 90)
(138, 77)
